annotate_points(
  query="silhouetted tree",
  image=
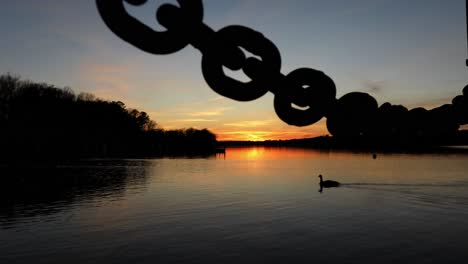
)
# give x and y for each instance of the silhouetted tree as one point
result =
(41, 120)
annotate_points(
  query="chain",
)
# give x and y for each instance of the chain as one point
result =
(302, 97)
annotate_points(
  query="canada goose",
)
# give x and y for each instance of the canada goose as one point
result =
(327, 184)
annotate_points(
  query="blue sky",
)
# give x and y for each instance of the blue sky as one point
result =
(404, 52)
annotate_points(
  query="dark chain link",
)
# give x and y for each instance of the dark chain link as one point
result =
(311, 91)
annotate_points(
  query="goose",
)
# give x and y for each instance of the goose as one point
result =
(327, 184)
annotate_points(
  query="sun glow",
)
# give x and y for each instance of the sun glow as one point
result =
(253, 137)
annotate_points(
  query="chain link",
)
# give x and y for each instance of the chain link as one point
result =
(307, 88)
(219, 55)
(143, 37)
(302, 98)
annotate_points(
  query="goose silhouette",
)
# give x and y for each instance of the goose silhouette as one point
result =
(327, 184)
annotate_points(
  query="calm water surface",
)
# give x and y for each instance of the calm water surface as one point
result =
(256, 205)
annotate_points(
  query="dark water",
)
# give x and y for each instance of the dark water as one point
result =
(257, 205)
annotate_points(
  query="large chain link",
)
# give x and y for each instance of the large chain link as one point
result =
(302, 98)
(145, 38)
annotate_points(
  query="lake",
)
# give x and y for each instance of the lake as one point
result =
(254, 205)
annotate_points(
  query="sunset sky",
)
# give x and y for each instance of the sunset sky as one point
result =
(404, 52)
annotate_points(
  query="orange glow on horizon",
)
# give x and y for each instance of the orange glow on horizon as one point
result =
(274, 130)
(263, 135)
(231, 128)
(275, 135)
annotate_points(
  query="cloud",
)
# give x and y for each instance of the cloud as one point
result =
(213, 112)
(216, 99)
(110, 80)
(245, 135)
(195, 120)
(432, 103)
(100, 69)
(375, 86)
(255, 123)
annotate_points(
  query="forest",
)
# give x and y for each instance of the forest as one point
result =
(41, 121)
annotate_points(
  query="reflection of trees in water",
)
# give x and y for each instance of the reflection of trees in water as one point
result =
(30, 192)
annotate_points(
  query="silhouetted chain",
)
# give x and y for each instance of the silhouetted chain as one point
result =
(302, 97)
(310, 90)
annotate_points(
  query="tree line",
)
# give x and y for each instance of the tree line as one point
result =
(39, 120)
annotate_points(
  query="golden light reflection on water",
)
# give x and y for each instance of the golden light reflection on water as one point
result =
(281, 153)
(346, 167)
